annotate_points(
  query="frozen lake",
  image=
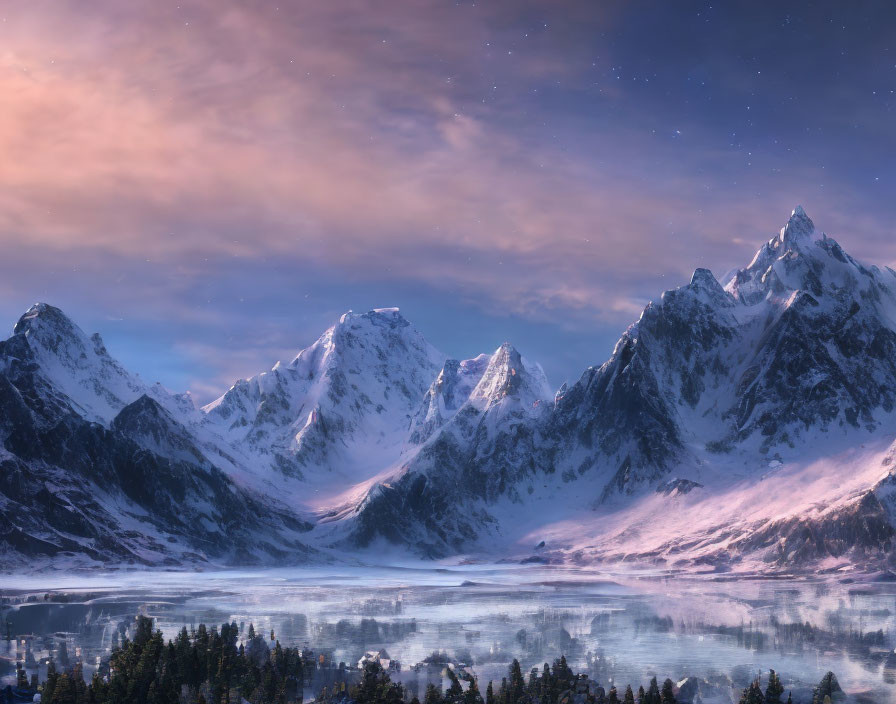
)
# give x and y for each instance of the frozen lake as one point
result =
(619, 627)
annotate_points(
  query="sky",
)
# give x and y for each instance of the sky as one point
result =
(210, 184)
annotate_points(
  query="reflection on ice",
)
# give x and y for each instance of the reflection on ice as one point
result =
(621, 627)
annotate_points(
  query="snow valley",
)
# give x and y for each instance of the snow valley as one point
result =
(743, 424)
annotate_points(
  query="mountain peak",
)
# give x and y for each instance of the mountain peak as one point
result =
(43, 315)
(50, 328)
(705, 287)
(140, 411)
(798, 227)
(450, 390)
(507, 349)
(702, 276)
(391, 317)
(351, 331)
(76, 364)
(509, 375)
(791, 261)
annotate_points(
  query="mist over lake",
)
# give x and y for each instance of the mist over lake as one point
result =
(619, 627)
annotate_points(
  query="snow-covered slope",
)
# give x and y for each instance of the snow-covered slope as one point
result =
(450, 390)
(822, 328)
(799, 342)
(336, 415)
(478, 452)
(741, 424)
(79, 368)
(94, 470)
(790, 363)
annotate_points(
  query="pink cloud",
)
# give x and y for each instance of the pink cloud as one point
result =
(374, 141)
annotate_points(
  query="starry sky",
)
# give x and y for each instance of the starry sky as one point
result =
(210, 184)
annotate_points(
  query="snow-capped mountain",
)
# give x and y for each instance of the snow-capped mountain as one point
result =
(450, 390)
(78, 368)
(475, 451)
(755, 415)
(95, 469)
(799, 342)
(790, 361)
(335, 415)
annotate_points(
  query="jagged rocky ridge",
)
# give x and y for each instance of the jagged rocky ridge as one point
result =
(481, 441)
(88, 474)
(797, 345)
(356, 386)
(721, 392)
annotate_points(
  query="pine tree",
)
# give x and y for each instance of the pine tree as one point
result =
(472, 695)
(64, 692)
(503, 692)
(143, 631)
(62, 655)
(653, 693)
(208, 664)
(828, 687)
(667, 694)
(50, 684)
(433, 695)
(455, 692)
(517, 685)
(532, 684)
(547, 683)
(562, 675)
(752, 694)
(774, 690)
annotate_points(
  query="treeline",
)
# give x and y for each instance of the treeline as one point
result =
(209, 666)
(205, 666)
(556, 684)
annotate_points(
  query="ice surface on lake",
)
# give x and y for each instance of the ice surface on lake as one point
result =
(622, 627)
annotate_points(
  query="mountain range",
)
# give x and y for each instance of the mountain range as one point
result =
(740, 424)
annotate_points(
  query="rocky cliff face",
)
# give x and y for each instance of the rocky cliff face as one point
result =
(729, 408)
(340, 408)
(795, 351)
(476, 451)
(135, 492)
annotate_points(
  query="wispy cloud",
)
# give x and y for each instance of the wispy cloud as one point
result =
(164, 160)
